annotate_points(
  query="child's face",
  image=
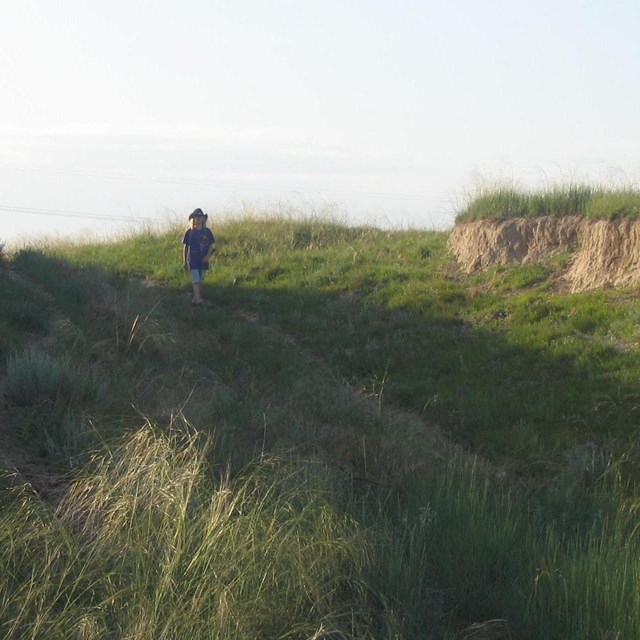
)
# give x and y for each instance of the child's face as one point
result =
(198, 220)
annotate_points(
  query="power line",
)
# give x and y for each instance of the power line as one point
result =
(220, 183)
(70, 214)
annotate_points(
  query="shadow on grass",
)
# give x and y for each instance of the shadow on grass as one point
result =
(486, 392)
(267, 368)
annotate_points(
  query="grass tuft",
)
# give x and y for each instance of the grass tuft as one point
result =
(502, 202)
(35, 377)
(150, 546)
(48, 395)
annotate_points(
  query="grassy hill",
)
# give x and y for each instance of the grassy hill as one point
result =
(350, 440)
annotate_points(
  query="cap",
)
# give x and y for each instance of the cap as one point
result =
(197, 213)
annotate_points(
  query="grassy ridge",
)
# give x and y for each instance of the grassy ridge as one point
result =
(572, 200)
(386, 310)
(344, 346)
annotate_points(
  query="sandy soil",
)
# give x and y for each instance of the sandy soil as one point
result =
(603, 253)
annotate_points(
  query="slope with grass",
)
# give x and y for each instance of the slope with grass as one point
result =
(596, 231)
(299, 458)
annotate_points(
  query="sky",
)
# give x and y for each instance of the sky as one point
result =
(385, 112)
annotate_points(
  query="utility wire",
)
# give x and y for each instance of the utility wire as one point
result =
(70, 214)
(219, 183)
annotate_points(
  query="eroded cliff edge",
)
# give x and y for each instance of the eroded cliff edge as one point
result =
(603, 253)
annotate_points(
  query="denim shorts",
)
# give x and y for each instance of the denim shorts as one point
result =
(197, 275)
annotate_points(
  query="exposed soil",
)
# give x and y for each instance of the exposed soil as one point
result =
(602, 253)
(26, 467)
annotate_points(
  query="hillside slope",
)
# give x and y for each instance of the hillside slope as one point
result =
(223, 367)
(315, 331)
(397, 448)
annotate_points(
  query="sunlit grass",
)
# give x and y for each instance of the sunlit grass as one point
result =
(374, 305)
(149, 545)
(504, 202)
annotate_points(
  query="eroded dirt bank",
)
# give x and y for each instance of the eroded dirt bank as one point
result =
(603, 253)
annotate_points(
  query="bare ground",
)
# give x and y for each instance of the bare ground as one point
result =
(602, 253)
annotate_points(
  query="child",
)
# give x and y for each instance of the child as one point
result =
(198, 246)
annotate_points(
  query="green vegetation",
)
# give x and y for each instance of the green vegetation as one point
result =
(147, 546)
(23, 314)
(351, 440)
(47, 396)
(574, 200)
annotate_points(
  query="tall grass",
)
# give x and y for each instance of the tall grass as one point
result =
(35, 377)
(148, 545)
(48, 396)
(571, 200)
(488, 551)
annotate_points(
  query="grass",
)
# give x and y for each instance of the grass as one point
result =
(23, 314)
(380, 306)
(534, 561)
(344, 376)
(595, 202)
(47, 396)
(149, 545)
(34, 378)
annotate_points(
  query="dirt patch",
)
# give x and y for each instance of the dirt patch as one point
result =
(603, 253)
(24, 467)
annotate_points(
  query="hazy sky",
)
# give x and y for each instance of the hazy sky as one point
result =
(388, 111)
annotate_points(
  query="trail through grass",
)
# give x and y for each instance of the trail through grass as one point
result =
(342, 374)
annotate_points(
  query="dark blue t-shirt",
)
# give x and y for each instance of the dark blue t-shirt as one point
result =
(198, 241)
